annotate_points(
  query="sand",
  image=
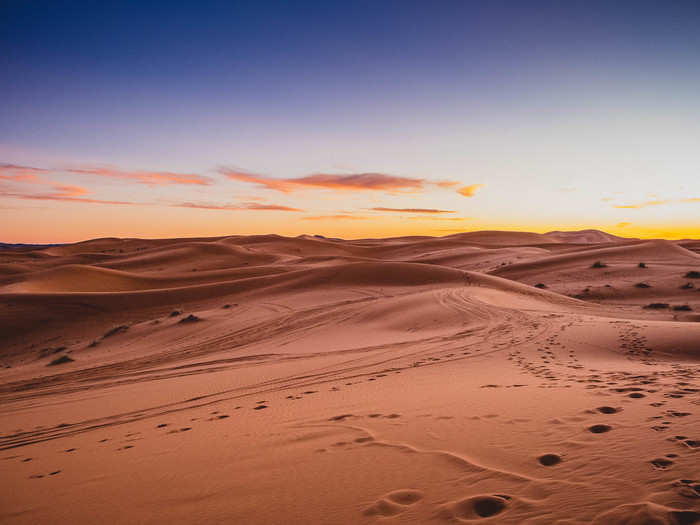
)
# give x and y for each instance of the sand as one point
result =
(272, 380)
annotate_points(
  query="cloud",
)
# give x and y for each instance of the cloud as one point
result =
(457, 219)
(151, 178)
(63, 190)
(15, 173)
(641, 204)
(347, 182)
(658, 202)
(25, 169)
(29, 177)
(412, 210)
(334, 217)
(446, 184)
(237, 207)
(469, 191)
(61, 193)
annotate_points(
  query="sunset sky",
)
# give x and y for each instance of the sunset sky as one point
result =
(349, 119)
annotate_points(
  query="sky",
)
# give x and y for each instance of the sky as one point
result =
(348, 119)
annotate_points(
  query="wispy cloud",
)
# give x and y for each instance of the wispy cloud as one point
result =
(24, 169)
(411, 210)
(335, 217)
(236, 207)
(470, 191)
(15, 173)
(346, 182)
(658, 202)
(29, 177)
(150, 178)
(20, 176)
(61, 193)
(453, 219)
(641, 204)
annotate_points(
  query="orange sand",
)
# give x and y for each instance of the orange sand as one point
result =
(409, 380)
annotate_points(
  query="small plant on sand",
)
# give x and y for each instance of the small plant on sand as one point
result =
(656, 306)
(117, 330)
(642, 265)
(61, 360)
(189, 319)
(687, 286)
(540, 285)
(49, 351)
(642, 285)
(599, 264)
(692, 275)
(682, 308)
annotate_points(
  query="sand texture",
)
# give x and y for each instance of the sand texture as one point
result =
(496, 377)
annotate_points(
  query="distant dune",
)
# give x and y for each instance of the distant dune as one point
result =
(495, 377)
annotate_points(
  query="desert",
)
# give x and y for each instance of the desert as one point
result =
(501, 377)
(387, 262)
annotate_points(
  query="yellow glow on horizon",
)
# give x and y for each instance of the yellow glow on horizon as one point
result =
(74, 223)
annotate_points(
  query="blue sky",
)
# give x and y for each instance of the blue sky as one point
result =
(566, 114)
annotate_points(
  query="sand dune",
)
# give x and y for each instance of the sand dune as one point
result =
(273, 380)
(585, 237)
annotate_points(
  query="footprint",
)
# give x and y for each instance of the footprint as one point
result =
(394, 503)
(183, 429)
(608, 410)
(661, 463)
(477, 507)
(341, 417)
(688, 488)
(599, 429)
(549, 460)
